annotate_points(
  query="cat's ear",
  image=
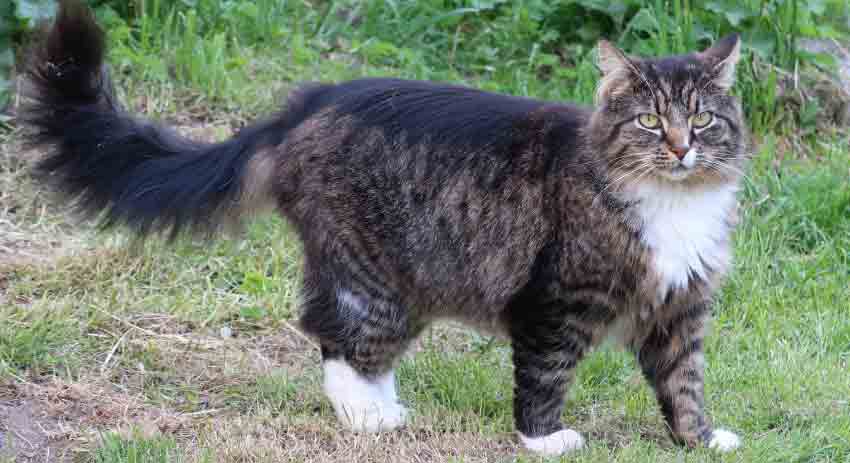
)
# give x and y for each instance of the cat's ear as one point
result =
(616, 68)
(611, 60)
(721, 60)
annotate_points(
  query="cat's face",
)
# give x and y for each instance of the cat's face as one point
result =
(670, 119)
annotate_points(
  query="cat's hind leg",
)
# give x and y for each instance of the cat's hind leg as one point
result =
(361, 336)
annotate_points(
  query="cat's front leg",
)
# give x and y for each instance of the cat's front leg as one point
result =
(545, 353)
(673, 362)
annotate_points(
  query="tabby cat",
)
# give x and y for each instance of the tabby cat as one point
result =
(551, 224)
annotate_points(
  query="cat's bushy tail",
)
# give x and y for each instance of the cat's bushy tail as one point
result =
(120, 168)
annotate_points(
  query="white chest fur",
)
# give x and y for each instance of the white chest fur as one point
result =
(687, 230)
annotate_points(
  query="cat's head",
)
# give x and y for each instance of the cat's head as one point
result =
(670, 120)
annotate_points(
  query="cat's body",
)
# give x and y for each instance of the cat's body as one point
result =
(548, 223)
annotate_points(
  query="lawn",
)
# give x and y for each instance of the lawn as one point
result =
(117, 351)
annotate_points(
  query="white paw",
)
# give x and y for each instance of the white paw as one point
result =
(360, 403)
(371, 417)
(554, 444)
(724, 441)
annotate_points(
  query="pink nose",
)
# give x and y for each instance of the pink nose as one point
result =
(680, 151)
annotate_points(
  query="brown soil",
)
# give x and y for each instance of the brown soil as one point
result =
(29, 434)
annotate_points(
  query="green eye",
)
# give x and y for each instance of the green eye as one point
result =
(702, 119)
(650, 121)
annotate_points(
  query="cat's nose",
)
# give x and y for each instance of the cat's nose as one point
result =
(680, 150)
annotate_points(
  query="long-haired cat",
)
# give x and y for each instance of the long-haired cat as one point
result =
(416, 201)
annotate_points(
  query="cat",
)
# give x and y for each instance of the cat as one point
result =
(552, 224)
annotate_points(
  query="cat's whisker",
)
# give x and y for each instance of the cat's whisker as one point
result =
(630, 157)
(626, 165)
(606, 161)
(646, 172)
(721, 166)
(623, 164)
(627, 161)
(640, 168)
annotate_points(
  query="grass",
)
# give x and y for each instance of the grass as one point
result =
(189, 353)
(136, 449)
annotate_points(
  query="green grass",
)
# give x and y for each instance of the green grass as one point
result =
(202, 336)
(136, 449)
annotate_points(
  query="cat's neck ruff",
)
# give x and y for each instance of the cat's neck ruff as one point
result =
(686, 228)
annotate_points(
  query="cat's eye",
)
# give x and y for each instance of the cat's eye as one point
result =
(649, 121)
(702, 119)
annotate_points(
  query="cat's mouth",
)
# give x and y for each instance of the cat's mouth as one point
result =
(676, 172)
(676, 169)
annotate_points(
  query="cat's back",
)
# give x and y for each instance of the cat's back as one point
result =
(393, 138)
(442, 117)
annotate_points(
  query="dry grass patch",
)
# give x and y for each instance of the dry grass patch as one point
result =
(198, 370)
(32, 231)
(246, 439)
(57, 420)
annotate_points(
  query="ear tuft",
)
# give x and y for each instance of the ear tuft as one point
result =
(721, 59)
(610, 59)
(615, 68)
